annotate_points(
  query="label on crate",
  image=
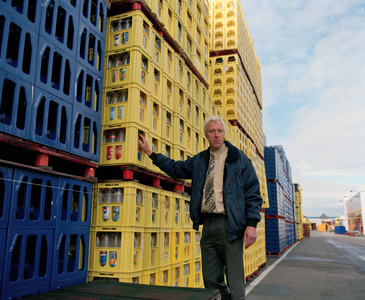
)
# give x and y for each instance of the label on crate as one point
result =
(123, 74)
(125, 38)
(103, 258)
(113, 258)
(109, 152)
(112, 113)
(115, 213)
(106, 213)
(118, 152)
(116, 39)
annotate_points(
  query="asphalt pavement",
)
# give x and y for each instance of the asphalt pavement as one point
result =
(324, 266)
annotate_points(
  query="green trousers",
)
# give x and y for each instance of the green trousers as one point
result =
(221, 257)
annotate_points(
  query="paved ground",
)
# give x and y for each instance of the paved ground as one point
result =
(324, 266)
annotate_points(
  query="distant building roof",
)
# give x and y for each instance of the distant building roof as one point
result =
(323, 216)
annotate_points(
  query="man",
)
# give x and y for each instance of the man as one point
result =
(225, 199)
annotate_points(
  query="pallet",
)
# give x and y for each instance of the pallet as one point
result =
(143, 176)
(252, 275)
(25, 154)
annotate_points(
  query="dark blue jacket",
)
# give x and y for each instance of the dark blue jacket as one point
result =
(241, 189)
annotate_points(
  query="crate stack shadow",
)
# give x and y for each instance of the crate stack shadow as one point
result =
(51, 80)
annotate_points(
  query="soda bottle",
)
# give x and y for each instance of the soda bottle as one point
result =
(115, 213)
(121, 135)
(119, 25)
(106, 213)
(103, 255)
(112, 136)
(118, 196)
(110, 196)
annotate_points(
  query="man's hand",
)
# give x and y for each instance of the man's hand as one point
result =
(144, 144)
(250, 236)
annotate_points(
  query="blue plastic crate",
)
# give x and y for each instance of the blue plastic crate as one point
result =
(74, 203)
(28, 262)
(60, 24)
(3, 234)
(89, 91)
(15, 105)
(94, 14)
(71, 256)
(55, 71)
(90, 49)
(18, 48)
(26, 12)
(51, 122)
(6, 177)
(85, 135)
(33, 200)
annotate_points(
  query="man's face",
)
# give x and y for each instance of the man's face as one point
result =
(215, 134)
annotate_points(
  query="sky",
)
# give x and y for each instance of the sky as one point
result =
(312, 57)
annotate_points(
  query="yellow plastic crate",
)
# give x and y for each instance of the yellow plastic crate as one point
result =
(157, 49)
(128, 66)
(177, 273)
(171, 210)
(179, 153)
(186, 221)
(189, 82)
(153, 207)
(127, 277)
(177, 245)
(179, 131)
(120, 146)
(168, 16)
(164, 277)
(167, 124)
(168, 90)
(150, 276)
(125, 104)
(169, 62)
(156, 83)
(178, 31)
(196, 243)
(152, 249)
(188, 244)
(197, 273)
(157, 9)
(167, 250)
(155, 118)
(154, 141)
(129, 30)
(128, 250)
(127, 196)
(188, 273)
(180, 101)
(179, 71)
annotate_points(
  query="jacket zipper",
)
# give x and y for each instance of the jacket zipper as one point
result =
(235, 174)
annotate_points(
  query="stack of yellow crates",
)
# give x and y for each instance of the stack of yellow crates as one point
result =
(160, 89)
(235, 87)
(298, 211)
(145, 232)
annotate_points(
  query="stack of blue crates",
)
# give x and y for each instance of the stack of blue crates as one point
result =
(51, 83)
(281, 200)
(45, 228)
(51, 72)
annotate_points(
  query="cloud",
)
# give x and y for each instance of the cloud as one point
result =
(312, 56)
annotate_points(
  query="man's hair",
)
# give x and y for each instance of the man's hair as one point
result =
(213, 119)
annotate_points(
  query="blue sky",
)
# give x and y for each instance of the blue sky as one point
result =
(312, 56)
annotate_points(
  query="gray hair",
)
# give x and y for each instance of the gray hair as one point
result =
(213, 119)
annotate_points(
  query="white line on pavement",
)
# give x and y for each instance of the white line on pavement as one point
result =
(267, 271)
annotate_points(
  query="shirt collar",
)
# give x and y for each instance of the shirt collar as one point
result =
(219, 151)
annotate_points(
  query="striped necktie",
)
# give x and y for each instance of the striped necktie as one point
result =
(209, 204)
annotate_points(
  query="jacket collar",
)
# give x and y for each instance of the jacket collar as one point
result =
(231, 155)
